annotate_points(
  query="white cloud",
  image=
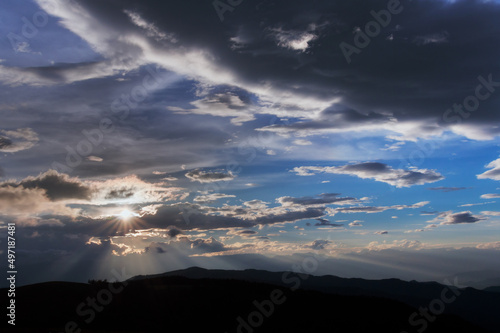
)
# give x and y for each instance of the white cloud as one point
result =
(490, 196)
(302, 142)
(221, 105)
(396, 244)
(491, 245)
(150, 28)
(493, 173)
(490, 213)
(16, 140)
(208, 198)
(378, 172)
(294, 40)
(94, 159)
(374, 209)
(30, 201)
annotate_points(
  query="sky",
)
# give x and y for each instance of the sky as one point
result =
(148, 136)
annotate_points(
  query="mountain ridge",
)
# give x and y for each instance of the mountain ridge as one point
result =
(149, 304)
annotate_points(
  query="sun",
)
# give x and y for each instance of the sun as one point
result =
(126, 215)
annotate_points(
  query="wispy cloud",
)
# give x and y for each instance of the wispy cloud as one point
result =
(377, 171)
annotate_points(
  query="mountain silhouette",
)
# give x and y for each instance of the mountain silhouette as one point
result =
(248, 301)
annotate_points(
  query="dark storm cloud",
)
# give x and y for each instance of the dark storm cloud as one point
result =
(390, 83)
(57, 186)
(209, 177)
(173, 232)
(189, 216)
(120, 194)
(410, 78)
(325, 222)
(382, 77)
(141, 141)
(321, 199)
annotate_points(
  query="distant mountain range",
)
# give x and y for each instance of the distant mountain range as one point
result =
(249, 301)
(479, 279)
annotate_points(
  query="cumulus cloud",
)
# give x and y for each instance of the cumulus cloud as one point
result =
(294, 40)
(57, 191)
(256, 204)
(356, 223)
(209, 177)
(193, 216)
(26, 201)
(57, 186)
(493, 173)
(377, 171)
(212, 197)
(16, 140)
(464, 217)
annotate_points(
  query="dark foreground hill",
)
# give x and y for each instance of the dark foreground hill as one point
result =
(480, 307)
(181, 304)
